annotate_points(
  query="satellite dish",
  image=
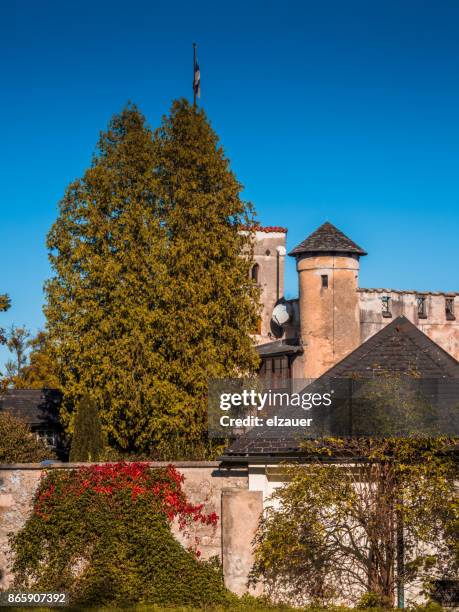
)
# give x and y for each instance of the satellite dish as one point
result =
(281, 315)
(281, 251)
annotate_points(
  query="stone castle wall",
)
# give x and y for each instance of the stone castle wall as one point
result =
(205, 482)
(437, 324)
(269, 256)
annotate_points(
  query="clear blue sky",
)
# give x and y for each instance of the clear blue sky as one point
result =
(328, 110)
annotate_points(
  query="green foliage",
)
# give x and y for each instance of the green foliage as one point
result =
(333, 533)
(103, 534)
(18, 444)
(244, 604)
(87, 441)
(370, 600)
(5, 302)
(31, 367)
(150, 296)
(210, 301)
(39, 371)
(17, 342)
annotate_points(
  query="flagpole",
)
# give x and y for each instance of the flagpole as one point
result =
(194, 68)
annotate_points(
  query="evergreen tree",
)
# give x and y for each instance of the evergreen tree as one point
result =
(211, 305)
(87, 441)
(102, 303)
(151, 295)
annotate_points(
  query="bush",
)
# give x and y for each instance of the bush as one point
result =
(87, 442)
(370, 600)
(18, 444)
(103, 534)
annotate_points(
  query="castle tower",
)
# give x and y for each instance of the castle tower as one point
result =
(268, 272)
(328, 272)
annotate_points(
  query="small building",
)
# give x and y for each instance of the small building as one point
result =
(39, 408)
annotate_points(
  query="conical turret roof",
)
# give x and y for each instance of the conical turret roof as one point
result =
(327, 238)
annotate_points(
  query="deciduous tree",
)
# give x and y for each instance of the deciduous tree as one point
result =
(40, 370)
(5, 303)
(381, 514)
(17, 342)
(18, 444)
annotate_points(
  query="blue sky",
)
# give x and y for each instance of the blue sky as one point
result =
(330, 110)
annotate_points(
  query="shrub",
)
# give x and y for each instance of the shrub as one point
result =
(370, 600)
(103, 533)
(87, 441)
(18, 444)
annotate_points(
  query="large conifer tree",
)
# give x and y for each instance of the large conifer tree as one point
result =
(211, 303)
(151, 296)
(101, 310)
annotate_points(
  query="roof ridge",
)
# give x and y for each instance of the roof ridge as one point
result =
(446, 361)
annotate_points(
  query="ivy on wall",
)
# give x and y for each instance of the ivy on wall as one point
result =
(103, 534)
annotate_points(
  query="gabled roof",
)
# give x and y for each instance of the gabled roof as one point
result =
(399, 347)
(327, 238)
(37, 407)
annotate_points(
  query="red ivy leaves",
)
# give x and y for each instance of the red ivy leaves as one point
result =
(164, 485)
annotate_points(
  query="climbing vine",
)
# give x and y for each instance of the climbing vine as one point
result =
(103, 534)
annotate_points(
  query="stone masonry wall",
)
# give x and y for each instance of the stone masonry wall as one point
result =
(271, 264)
(204, 482)
(441, 328)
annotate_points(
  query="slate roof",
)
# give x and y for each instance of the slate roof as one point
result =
(327, 238)
(399, 347)
(37, 407)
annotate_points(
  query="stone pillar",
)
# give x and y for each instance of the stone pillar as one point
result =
(241, 510)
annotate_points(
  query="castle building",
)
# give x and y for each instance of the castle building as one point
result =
(333, 315)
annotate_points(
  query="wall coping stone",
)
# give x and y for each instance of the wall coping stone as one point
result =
(59, 465)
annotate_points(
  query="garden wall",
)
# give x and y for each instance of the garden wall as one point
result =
(205, 482)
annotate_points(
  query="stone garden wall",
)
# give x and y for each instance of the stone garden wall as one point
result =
(205, 482)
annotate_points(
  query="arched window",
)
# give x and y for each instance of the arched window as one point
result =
(254, 273)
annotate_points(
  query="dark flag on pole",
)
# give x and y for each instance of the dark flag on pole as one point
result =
(197, 76)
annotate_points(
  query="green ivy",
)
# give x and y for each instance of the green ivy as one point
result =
(110, 543)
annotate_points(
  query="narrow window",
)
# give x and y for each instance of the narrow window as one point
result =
(449, 309)
(263, 367)
(324, 278)
(422, 307)
(255, 272)
(385, 302)
(281, 372)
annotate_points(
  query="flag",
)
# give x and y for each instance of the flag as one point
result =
(197, 77)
